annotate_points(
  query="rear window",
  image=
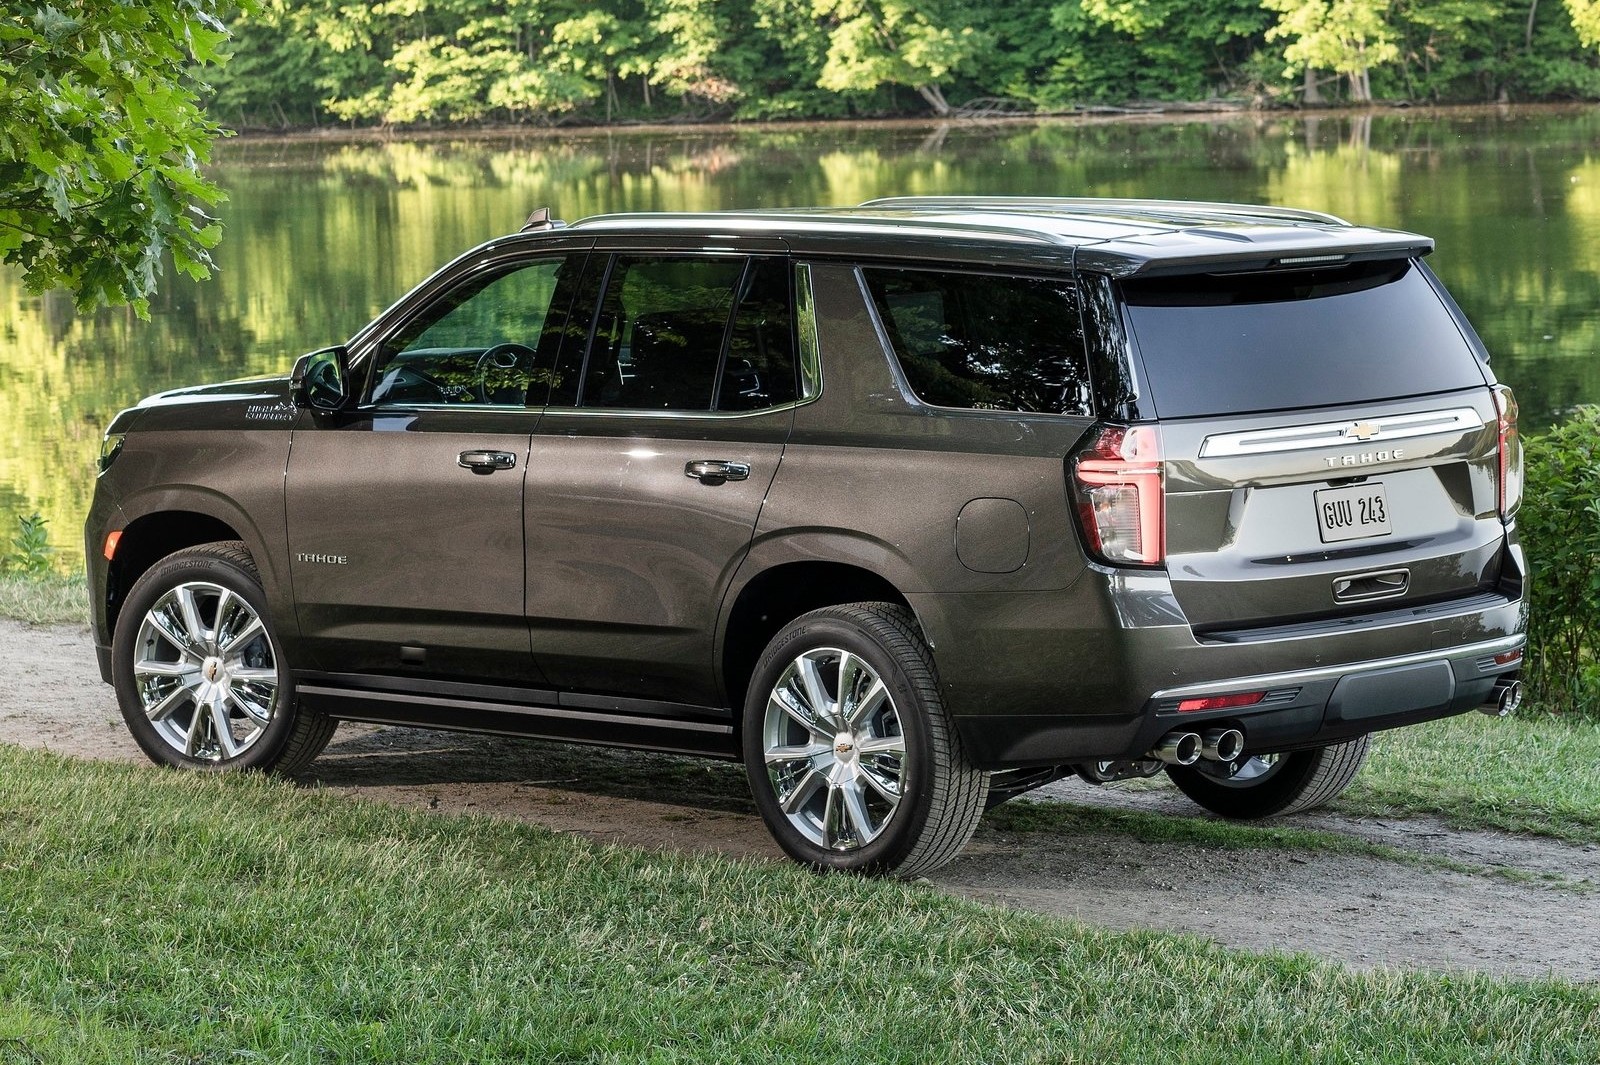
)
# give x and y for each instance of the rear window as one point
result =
(1227, 344)
(985, 341)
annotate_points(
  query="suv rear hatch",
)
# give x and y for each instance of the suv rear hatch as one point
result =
(1330, 442)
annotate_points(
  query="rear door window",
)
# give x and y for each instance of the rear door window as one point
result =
(985, 341)
(1234, 343)
(692, 334)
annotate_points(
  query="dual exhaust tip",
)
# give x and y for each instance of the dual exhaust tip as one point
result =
(1504, 698)
(1182, 747)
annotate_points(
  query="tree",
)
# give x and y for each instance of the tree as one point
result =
(896, 42)
(1585, 19)
(1347, 36)
(102, 140)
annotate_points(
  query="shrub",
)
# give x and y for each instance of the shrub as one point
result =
(1560, 527)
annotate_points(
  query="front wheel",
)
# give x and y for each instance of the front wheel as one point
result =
(1269, 785)
(199, 673)
(852, 759)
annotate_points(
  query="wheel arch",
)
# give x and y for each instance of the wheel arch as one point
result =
(777, 594)
(167, 521)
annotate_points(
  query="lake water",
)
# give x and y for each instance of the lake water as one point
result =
(320, 236)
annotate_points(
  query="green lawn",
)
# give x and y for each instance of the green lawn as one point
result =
(1530, 773)
(165, 917)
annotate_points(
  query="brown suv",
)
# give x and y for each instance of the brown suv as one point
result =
(912, 506)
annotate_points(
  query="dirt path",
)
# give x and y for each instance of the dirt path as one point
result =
(1362, 911)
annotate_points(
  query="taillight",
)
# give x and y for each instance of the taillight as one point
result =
(1510, 480)
(1117, 482)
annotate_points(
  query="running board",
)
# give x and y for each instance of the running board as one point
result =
(569, 716)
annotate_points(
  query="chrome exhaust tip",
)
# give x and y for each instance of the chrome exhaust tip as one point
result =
(1221, 744)
(1504, 699)
(1177, 748)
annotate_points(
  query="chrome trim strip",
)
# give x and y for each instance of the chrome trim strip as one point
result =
(1357, 432)
(1311, 676)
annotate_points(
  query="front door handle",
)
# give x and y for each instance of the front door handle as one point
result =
(486, 461)
(716, 471)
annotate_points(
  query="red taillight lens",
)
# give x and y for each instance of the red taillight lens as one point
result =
(1117, 481)
(1510, 452)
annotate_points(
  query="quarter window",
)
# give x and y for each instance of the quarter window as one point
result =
(985, 341)
(486, 343)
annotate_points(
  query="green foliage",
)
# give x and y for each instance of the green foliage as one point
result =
(916, 43)
(1560, 527)
(102, 141)
(1347, 36)
(31, 552)
(1586, 21)
(427, 62)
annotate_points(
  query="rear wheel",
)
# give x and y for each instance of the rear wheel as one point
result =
(852, 759)
(1269, 785)
(199, 673)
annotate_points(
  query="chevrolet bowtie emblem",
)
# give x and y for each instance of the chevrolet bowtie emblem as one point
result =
(1363, 431)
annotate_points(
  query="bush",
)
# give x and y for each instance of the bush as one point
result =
(1560, 527)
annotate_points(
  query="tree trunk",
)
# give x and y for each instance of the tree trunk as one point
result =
(1312, 93)
(935, 99)
(1527, 36)
(1360, 87)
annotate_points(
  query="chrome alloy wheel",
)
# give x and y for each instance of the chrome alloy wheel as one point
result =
(206, 671)
(834, 749)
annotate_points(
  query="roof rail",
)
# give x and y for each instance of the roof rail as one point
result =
(1096, 205)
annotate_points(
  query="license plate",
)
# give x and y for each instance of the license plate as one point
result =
(1352, 513)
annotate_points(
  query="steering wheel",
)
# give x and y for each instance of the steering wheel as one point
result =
(504, 356)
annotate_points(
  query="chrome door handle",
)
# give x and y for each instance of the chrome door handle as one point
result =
(486, 461)
(716, 471)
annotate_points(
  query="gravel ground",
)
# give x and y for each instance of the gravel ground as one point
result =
(1363, 911)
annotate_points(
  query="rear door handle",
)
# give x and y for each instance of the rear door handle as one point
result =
(486, 461)
(716, 471)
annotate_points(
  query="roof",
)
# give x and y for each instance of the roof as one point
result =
(1121, 237)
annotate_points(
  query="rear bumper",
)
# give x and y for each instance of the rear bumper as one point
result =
(1097, 673)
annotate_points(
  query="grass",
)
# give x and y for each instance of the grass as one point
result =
(153, 916)
(52, 599)
(1531, 773)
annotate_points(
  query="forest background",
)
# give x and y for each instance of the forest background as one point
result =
(309, 63)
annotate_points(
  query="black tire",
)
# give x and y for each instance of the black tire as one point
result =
(1299, 780)
(904, 746)
(189, 621)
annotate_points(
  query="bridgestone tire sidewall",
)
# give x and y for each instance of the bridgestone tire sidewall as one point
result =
(182, 568)
(886, 852)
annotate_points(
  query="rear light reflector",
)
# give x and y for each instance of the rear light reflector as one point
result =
(1508, 657)
(1117, 482)
(1220, 702)
(1510, 479)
